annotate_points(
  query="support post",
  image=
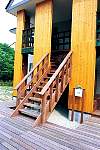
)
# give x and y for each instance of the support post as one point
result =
(83, 45)
(18, 73)
(43, 30)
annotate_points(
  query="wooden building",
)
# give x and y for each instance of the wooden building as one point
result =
(62, 37)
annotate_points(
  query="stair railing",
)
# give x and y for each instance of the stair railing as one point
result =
(54, 88)
(35, 74)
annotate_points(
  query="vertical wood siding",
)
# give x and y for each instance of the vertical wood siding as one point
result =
(84, 52)
(43, 30)
(18, 73)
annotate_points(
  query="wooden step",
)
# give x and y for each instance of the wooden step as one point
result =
(30, 105)
(54, 89)
(52, 71)
(35, 99)
(29, 89)
(52, 59)
(43, 83)
(54, 66)
(50, 74)
(40, 87)
(36, 92)
(21, 98)
(52, 62)
(29, 112)
(47, 78)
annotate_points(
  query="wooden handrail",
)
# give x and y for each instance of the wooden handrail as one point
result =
(46, 87)
(26, 77)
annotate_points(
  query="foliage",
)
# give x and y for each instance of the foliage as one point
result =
(6, 62)
(6, 83)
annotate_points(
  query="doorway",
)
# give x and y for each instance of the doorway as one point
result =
(97, 71)
(97, 81)
(61, 30)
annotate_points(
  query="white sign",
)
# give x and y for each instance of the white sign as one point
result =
(78, 92)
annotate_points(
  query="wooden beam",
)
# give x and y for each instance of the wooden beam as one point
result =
(18, 73)
(43, 29)
(83, 43)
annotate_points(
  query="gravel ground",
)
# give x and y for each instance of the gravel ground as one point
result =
(5, 93)
(58, 117)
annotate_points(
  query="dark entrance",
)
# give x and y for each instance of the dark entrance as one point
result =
(97, 72)
(61, 32)
(62, 105)
(97, 80)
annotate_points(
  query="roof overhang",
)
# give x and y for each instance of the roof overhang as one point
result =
(28, 5)
(62, 8)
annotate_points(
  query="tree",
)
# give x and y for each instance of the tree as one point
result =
(6, 62)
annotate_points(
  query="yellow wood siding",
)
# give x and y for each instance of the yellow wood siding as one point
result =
(18, 73)
(43, 30)
(84, 52)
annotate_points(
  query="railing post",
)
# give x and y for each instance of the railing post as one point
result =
(51, 94)
(18, 99)
(37, 72)
(82, 106)
(48, 59)
(57, 85)
(26, 89)
(62, 80)
(42, 66)
(70, 67)
(43, 108)
(73, 105)
(66, 78)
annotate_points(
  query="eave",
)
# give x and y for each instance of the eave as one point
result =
(28, 5)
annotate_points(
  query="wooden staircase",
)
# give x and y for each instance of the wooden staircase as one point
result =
(38, 97)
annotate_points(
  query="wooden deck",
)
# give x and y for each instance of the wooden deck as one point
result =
(96, 113)
(18, 134)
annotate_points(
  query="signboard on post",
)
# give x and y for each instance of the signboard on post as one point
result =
(78, 91)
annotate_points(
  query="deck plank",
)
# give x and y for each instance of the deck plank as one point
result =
(2, 147)
(18, 134)
(65, 139)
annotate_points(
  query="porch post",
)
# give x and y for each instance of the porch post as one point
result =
(83, 43)
(18, 73)
(43, 29)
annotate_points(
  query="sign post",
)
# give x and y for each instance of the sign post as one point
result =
(78, 92)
